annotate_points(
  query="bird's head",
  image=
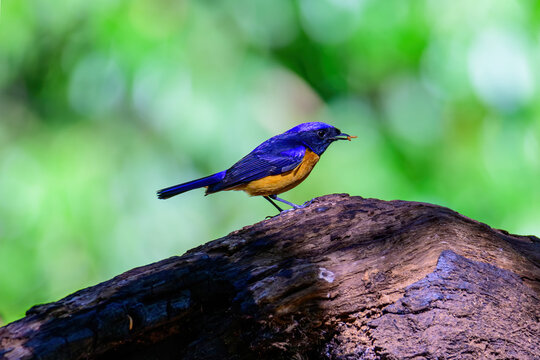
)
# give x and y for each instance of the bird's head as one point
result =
(317, 136)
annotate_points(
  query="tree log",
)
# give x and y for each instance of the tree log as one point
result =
(343, 278)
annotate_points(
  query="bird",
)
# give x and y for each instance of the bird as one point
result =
(275, 166)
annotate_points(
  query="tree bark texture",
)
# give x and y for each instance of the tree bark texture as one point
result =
(343, 278)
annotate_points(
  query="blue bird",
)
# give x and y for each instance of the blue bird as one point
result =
(277, 165)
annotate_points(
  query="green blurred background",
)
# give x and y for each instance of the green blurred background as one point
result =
(104, 102)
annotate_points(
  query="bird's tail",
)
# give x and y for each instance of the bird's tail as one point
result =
(190, 185)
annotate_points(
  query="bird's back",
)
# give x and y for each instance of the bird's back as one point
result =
(276, 156)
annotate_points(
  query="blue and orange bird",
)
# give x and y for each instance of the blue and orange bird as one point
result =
(277, 165)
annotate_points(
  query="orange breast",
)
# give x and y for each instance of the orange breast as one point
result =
(277, 184)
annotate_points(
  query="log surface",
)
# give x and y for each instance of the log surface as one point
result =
(343, 278)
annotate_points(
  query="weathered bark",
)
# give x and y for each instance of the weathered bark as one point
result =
(344, 278)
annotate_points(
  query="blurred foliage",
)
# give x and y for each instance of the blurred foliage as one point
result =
(104, 102)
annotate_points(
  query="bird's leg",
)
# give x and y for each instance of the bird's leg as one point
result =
(285, 202)
(273, 203)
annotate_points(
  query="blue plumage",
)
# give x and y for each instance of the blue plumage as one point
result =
(190, 185)
(270, 158)
(277, 155)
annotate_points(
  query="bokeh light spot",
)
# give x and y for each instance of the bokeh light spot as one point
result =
(97, 85)
(330, 21)
(413, 113)
(265, 23)
(500, 69)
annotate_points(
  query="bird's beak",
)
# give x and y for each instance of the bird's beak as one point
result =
(343, 136)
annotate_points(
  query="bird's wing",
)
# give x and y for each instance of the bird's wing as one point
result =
(268, 159)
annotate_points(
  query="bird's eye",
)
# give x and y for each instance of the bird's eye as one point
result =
(321, 133)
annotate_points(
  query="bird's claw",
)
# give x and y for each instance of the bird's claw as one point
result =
(307, 203)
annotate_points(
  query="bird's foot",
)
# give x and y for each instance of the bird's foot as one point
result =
(307, 203)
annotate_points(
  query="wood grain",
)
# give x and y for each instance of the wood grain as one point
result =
(343, 278)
